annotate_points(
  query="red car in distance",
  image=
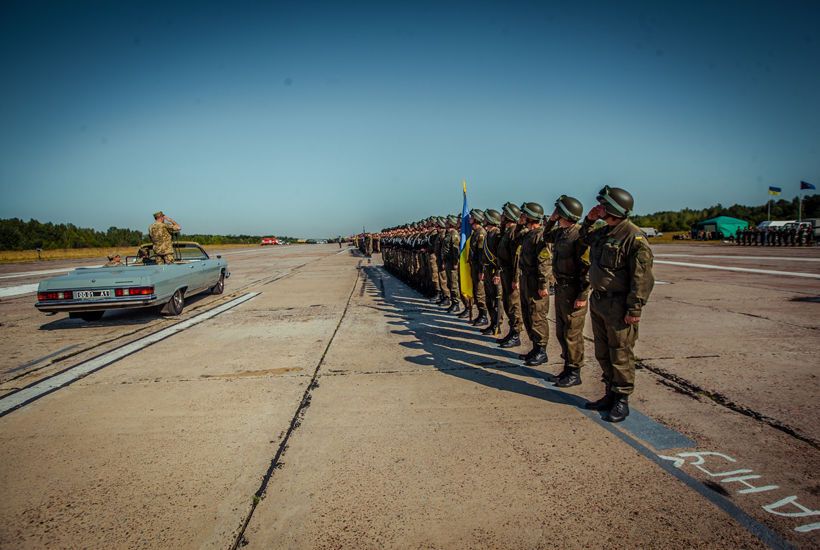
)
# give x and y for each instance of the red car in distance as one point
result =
(269, 241)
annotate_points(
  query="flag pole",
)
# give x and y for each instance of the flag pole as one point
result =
(769, 209)
(800, 206)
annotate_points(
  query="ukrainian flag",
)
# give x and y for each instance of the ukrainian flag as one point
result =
(465, 275)
(774, 190)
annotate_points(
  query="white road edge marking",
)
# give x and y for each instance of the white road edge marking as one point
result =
(730, 257)
(9, 291)
(44, 272)
(743, 269)
(21, 397)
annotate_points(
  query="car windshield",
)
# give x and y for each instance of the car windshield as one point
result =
(191, 253)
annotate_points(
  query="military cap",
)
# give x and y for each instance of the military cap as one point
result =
(452, 220)
(617, 202)
(476, 215)
(158, 214)
(569, 208)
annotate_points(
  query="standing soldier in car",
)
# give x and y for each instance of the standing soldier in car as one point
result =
(621, 279)
(161, 234)
(570, 267)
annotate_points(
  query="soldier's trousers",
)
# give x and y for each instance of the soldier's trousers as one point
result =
(492, 293)
(614, 340)
(452, 280)
(512, 301)
(164, 258)
(433, 260)
(569, 324)
(535, 310)
(442, 280)
(479, 294)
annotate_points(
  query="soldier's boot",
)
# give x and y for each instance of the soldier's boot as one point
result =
(603, 403)
(455, 306)
(482, 318)
(620, 408)
(525, 356)
(512, 341)
(505, 338)
(491, 328)
(570, 377)
(468, 311)
(437, 298)
(445, 303)
(539, 358)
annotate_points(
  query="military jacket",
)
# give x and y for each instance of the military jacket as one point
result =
(160, 234)
(477, 247)
(450, 249)
(489, 256)
(620, 262)
(570, 256)
(534, 257)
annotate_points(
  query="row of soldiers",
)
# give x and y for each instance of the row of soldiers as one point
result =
(775, 236)
(599, 262)
(367, 243)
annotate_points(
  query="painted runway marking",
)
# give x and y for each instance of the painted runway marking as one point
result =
(729, 257)
(41, 359)
(37, 390)
(768, 536)
(43, 272)
(743, 269)
(7, 292)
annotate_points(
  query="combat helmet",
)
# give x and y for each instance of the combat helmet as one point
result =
(492, 217)
(440, 222)
(533, 211)
(452, 220)
(569, 208)
(476, 216)
(511, 212)
(616, 201)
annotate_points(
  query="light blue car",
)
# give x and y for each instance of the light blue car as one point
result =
(87, 292)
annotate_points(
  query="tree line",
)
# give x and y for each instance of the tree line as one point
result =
(683, 220)
(17, 234)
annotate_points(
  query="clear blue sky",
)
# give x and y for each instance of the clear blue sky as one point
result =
(315, 119)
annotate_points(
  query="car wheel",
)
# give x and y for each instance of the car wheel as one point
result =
(175, 304)
(88, 316)
(219, 287)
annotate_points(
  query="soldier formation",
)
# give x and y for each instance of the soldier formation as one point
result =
(517, 256)
(801, 235)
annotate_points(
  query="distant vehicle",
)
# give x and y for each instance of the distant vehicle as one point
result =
(86, 293)
(310, 241)
(815, 223)
(774, 223)
(650, 232)
(269, 241)
(322, 241)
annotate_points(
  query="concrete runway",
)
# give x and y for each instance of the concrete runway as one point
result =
(321, 403)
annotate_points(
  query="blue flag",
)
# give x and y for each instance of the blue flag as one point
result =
(465, 274)
(806, 185)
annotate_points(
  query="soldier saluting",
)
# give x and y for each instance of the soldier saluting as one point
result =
(161, 234)
(621, 278)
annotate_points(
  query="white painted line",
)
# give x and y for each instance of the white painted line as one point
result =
(9, 291)
(730, 257)
(30, 393)
(743, 269)
(43, 272)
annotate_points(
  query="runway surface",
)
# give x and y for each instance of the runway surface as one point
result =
(322, 403)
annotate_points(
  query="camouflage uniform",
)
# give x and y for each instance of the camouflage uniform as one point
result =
(450, 250)
(441, 237)
(621, 278)
(163, 243)
(476, 253)
(533, 268)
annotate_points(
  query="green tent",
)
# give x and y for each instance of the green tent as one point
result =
(721, 224)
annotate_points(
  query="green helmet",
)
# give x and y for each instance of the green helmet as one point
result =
(452, 220)
(492, 217)
(617, 202)
(477, 216)
(533, 211)
(440, 222)
(569, 208)
(511, 212)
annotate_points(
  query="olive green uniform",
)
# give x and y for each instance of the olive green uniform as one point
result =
(621, 279)
(451, 255)
(476, 254)
(506, 253)
(570, 268)
(441, 237)
(489, 268)
(432, 260)
(534, 267)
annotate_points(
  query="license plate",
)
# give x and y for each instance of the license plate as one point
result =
(92, 294)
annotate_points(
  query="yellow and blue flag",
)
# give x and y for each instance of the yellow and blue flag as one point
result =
(774, 190)
(465, 275)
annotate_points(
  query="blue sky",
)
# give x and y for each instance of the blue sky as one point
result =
(316, 119)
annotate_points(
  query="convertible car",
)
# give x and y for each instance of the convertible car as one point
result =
(86, 293)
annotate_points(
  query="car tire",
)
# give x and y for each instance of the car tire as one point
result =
(219, 287)
(87, 316)
(175, 304)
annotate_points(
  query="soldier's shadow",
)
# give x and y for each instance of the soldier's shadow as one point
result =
(457, 352)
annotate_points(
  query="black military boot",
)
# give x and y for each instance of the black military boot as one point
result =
(505, 338)
(620, 408)
(482, 318)
(538, 358)
(445, 302)
(603, 403)
(437, 298)
(513, 341)
(491, 328)
(570, 377)
(455, 307)
(468, 310)
(525, 356)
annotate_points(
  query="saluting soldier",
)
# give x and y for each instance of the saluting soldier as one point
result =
(476, 265)
(570, 267)
(506, 264)
(161, 234)
(489, 276)
(621, 279)
(533, 268)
